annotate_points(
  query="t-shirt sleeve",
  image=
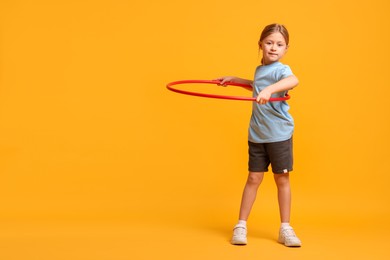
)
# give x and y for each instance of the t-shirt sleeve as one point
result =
(284, 72)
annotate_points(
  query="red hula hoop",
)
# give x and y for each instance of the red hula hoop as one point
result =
(169, 86)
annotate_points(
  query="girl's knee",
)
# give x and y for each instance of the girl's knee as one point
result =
(282, 179)
(255, 178)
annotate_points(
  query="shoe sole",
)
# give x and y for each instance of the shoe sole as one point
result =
(238, 243)
(293, 245)
(289, 245)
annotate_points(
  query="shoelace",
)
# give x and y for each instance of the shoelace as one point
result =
(288, 232)
(238, 231)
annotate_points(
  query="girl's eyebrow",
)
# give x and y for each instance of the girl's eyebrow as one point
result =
(273, 41)
(279, 42)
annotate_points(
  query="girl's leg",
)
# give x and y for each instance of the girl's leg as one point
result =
(248, 198)
(287, 235)
(249, 195)
(284, 196)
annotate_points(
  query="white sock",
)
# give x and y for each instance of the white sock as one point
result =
(242, 223)
(284, 225)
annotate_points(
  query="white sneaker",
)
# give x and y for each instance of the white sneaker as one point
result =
(288, 238)
(239, 235)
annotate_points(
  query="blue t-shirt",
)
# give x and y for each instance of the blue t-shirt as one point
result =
(270, 122)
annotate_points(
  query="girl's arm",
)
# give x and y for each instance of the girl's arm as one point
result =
(227, 79)
(285, 84)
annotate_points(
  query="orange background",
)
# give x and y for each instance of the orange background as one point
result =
(99, 161)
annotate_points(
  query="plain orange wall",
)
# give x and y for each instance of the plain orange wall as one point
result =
(88, 129)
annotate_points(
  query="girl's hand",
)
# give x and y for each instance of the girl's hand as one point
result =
(263, 97)
(225, 80)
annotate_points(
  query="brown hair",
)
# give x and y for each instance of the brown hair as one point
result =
(273, 28)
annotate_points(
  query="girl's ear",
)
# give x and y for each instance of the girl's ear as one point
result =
(260, 46)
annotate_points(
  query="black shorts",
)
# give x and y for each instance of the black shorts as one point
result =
(278, 154)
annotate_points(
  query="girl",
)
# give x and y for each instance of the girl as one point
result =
(270, 132)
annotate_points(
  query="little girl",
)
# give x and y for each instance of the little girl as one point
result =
(270, 133)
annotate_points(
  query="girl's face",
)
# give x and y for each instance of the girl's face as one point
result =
(274, 47)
